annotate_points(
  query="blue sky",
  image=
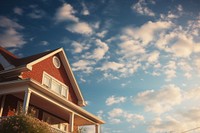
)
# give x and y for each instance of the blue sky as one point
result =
(136, 62)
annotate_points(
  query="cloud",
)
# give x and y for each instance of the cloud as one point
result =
(100, 114)
(83, 65)
(170, 70)
(18, 11)
(183, 118)
(85, 10)
(100, 51)
(66, 13)
(115, 100)
(141, 8)
(147, 32)
(153, 57)
(127, 48)
(102, 34)
(8, 23)
(197, 63)
(118, 115)
(10, 37)
(44, 43)
(181, 121)
(80, 28)
(116, 112)
(179, 43)
(111, 65)
(159, 101)
(78, 47)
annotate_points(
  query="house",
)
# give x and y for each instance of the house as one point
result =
(44, 86)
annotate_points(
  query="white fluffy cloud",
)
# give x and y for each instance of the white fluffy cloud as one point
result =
(179, 43)
(179, 122)
(78, 47)
(170, 70)
(100, 51)
(115, 100)
(141, 8)
(185, 116)
(83, 65)
(159, 101)
(10, 37)
(80, 28)
(66, 13)
(153, 57)
(85, 10)
(147, 32)
(111, 65)
(130, 48)
(118, 115)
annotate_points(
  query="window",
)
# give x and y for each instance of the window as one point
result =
(55, 85)
(56, 62)
(46, 81)
(55, 122)
(64, 91)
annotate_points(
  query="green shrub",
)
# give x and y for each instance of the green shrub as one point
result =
(23, 124)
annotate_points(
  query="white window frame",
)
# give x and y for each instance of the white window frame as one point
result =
(56, 62)
(62, 86)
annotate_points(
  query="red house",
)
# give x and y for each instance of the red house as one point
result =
(44, 86)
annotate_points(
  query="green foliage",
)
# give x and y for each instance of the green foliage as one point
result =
(23, 124)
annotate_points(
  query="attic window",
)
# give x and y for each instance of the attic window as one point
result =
(55, 85)
(56, 62)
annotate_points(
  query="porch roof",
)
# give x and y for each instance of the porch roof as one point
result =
(42, 91)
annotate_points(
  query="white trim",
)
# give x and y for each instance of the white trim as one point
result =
(72, 79)
(52, 79)
(26, 101)
(97, 128)
(71, 122)
(56, 62)
(43, 58)
(2, 104)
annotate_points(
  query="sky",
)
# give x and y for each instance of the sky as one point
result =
(137, 62)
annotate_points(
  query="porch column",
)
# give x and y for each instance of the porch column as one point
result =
(26, 101)
(2, 104)
(71, 122)
(97, 128)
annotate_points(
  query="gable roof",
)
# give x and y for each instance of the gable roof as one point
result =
(16, 61)
(28, 62)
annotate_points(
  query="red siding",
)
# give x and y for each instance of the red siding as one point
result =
(60, 74)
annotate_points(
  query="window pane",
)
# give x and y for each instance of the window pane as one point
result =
(64, 91)
(46, 81)
(55, 86)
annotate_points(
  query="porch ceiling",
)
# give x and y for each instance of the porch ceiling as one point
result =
(55, 110)
(46, 105)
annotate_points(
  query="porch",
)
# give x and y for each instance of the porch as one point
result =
(62, 115)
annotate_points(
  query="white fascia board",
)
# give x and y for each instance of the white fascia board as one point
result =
(73, 81)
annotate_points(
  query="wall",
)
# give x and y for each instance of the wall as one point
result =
(60, 74)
